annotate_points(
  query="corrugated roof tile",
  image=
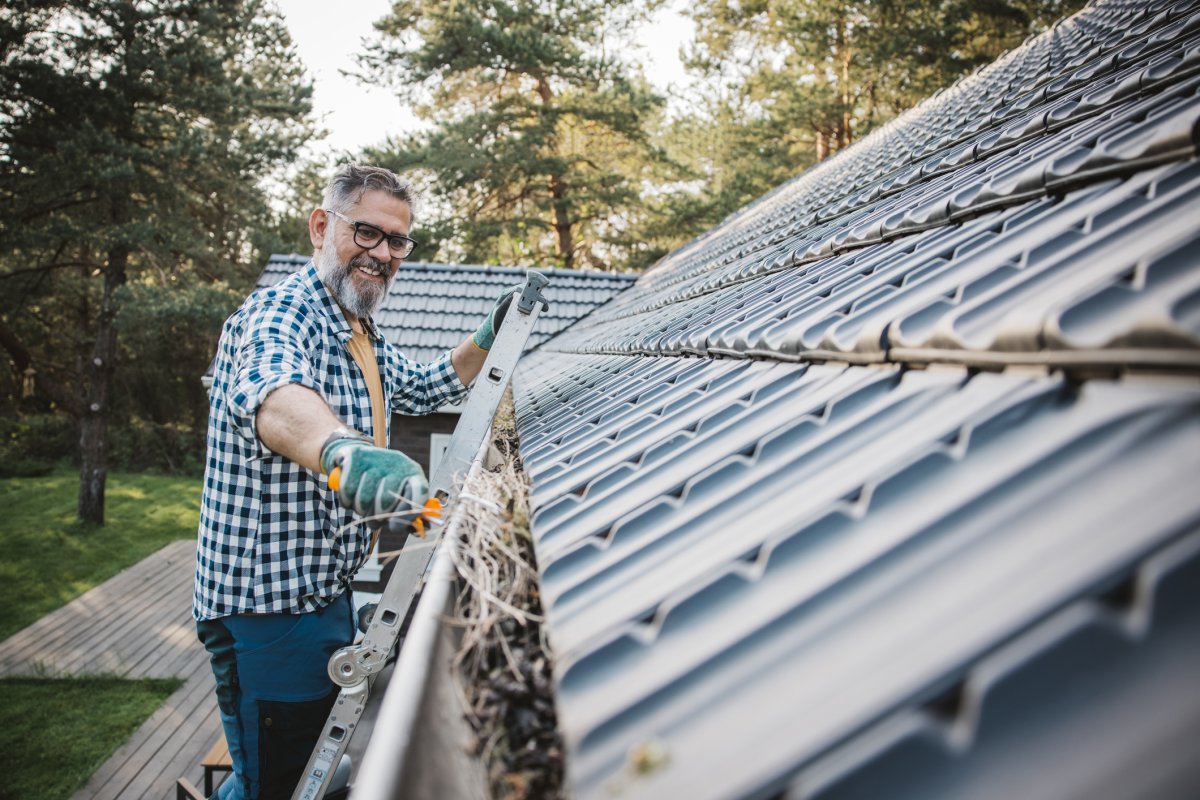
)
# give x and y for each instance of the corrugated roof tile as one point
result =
(857, 570)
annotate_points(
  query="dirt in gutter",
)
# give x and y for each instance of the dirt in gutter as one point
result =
(503, 659)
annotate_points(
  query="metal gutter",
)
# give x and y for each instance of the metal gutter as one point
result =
(417, 748)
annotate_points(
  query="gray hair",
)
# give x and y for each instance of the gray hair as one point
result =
(348, 185)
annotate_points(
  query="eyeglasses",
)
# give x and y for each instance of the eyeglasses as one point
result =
(368, 236)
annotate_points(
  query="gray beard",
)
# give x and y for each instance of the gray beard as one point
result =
(336, 277)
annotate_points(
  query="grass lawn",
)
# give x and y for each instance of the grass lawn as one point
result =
(55, 733)
(50, 559)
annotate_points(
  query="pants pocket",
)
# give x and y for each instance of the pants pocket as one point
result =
(217, 639)
(288, 732)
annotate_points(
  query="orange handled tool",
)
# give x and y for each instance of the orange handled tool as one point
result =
(432, 511)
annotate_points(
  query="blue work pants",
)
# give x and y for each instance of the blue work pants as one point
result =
(273, 692)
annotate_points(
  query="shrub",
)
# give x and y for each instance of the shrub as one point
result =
(142, 446)
(33, 444)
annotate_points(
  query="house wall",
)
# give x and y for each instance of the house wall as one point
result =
(410, 435)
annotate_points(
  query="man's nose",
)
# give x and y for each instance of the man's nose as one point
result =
(382, 251)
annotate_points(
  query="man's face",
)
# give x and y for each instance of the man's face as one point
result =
(358, 277)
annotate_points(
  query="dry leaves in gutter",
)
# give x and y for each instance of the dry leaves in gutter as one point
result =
(503, 657)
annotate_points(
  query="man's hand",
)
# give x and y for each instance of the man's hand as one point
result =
(485, 337)
(385, 486)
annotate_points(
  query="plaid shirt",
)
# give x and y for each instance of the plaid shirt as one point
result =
(273, 538)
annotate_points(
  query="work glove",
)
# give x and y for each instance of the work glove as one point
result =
(485, 337)
(385, 486)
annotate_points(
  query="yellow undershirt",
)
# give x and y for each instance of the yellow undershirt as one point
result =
(364, 355)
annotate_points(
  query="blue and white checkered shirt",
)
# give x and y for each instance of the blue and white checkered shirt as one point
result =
(273, 538)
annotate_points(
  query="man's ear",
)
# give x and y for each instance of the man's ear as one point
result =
(318, 227)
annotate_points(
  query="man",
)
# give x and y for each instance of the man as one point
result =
(303, 382)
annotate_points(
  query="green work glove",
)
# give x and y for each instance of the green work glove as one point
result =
(485, 337)
(385, 486)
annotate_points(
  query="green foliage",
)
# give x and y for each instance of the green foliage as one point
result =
(55, 733)
(834, 71)
(789, 82)
(137, 137)
(32, 444)
(49, 559)
(285, 229)
(539, 143)
(545, 148)
(163, 118)
(168, 449)
(168, 337)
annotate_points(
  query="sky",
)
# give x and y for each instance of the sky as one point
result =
(328, 38)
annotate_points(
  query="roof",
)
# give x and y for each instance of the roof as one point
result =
(433, 307)
(885, 486)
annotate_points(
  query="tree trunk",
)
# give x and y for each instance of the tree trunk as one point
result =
(93, 421)
(558, 191)
(845, 136)
(562, 222)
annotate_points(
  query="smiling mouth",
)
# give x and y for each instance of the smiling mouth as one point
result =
(371, 267)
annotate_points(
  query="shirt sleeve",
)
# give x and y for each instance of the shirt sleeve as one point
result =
(422, 388)
(272, 349)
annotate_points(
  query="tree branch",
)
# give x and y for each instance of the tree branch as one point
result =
(22, 360)
(50, 267)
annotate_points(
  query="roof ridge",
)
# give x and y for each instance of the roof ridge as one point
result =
(438, 266)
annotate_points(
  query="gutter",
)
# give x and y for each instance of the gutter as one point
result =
(419, 745)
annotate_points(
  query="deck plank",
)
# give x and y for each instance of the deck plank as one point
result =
(100, 632)
(137, 624)
(95, 608)
(153, 744)
(160, 746)
(116, 645)
(186, 763)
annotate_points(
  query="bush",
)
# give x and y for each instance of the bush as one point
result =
(33, 444)
(24, 468)
(144, 446)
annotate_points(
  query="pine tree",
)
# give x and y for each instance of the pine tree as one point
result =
(538, 143)
(135, 138)
(788, 83)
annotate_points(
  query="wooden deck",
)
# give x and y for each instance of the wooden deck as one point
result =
(138, 624)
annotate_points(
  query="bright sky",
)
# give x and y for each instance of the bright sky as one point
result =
(328, 37)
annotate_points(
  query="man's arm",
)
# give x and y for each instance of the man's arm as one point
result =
(469, 356)
(467, 359)
(294, 421)
(384, 486)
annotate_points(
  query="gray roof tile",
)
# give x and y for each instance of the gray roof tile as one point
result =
(792, 537)
(433, 307)
(726, 551)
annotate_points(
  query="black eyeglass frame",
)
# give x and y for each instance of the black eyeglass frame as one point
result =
(369, 236)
